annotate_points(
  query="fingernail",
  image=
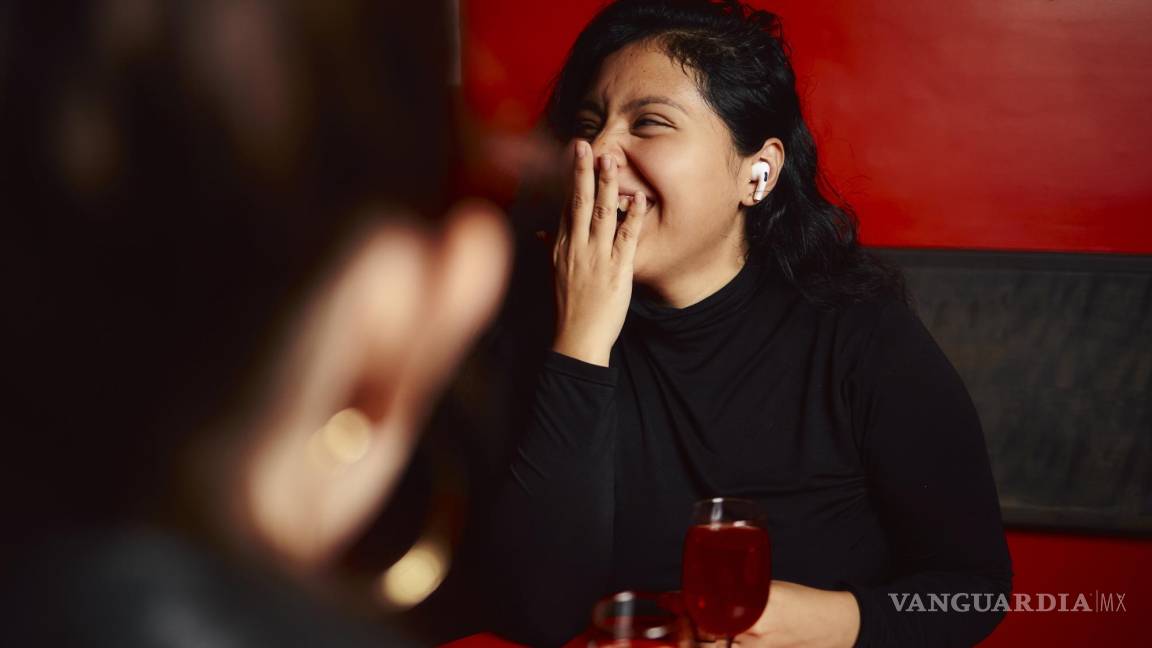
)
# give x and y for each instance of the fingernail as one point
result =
(625, 203)
(581, 148)
(641, 201)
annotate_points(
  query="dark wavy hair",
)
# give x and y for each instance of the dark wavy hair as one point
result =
(741, 65)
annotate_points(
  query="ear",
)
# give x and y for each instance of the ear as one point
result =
(379, 343)
(773, 153)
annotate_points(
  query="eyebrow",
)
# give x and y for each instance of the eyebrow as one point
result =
(652, 99)
(592, 106)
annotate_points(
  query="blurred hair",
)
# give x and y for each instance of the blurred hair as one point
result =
(180, 176)
(740, 63)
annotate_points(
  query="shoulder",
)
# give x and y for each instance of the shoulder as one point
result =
(890, 347)
(861, 323)
(884, 335)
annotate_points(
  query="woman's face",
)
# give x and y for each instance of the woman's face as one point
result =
(646, 111)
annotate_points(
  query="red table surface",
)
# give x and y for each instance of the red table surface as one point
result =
(488, 640)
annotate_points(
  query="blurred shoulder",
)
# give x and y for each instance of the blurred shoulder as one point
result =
(143, 587)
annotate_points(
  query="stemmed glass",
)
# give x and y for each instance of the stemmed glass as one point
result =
(727, 566)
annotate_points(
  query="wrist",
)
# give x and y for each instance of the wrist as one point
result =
(798, 615)
(592, 353)
(847, 630)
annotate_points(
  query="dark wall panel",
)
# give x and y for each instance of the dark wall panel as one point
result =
(1056, 350)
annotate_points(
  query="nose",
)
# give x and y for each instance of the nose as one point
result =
(611, 141)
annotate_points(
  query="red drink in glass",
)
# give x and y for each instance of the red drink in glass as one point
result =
(727, 574)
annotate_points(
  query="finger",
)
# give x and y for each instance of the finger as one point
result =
(559, 249)
(470, 270)
(559, 240)
(628, 234)
(571, 187)
(583, 194)
(603, 227)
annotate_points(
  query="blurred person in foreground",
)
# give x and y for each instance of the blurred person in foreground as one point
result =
(230, 303)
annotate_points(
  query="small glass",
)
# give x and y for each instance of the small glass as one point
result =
(638, 620)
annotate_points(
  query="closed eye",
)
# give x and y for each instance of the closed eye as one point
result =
(585, 128)
(649, 123)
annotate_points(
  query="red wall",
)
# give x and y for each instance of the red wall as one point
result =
(968, 124)
(975, 123)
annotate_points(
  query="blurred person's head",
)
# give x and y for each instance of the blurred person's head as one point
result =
(688, 95)
(229, 233)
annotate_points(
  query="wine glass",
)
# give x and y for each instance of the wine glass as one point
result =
(727, 566)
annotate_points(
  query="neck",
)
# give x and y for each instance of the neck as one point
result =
(685, 286)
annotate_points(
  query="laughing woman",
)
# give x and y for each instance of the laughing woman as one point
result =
(720, 332)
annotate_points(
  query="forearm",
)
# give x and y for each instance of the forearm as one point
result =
(906, 612)
(553, 556)
(798, 616)
(551, 531)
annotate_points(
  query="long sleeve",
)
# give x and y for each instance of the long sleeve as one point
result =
(552, 527)
(932, 486)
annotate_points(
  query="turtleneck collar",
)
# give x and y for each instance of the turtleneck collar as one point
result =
(653, 316)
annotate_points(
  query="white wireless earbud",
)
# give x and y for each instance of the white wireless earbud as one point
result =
(760, 172)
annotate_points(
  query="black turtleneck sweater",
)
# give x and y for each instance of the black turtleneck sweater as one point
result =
(849, 426)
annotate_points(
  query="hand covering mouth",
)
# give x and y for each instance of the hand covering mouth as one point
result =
(624, 202)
